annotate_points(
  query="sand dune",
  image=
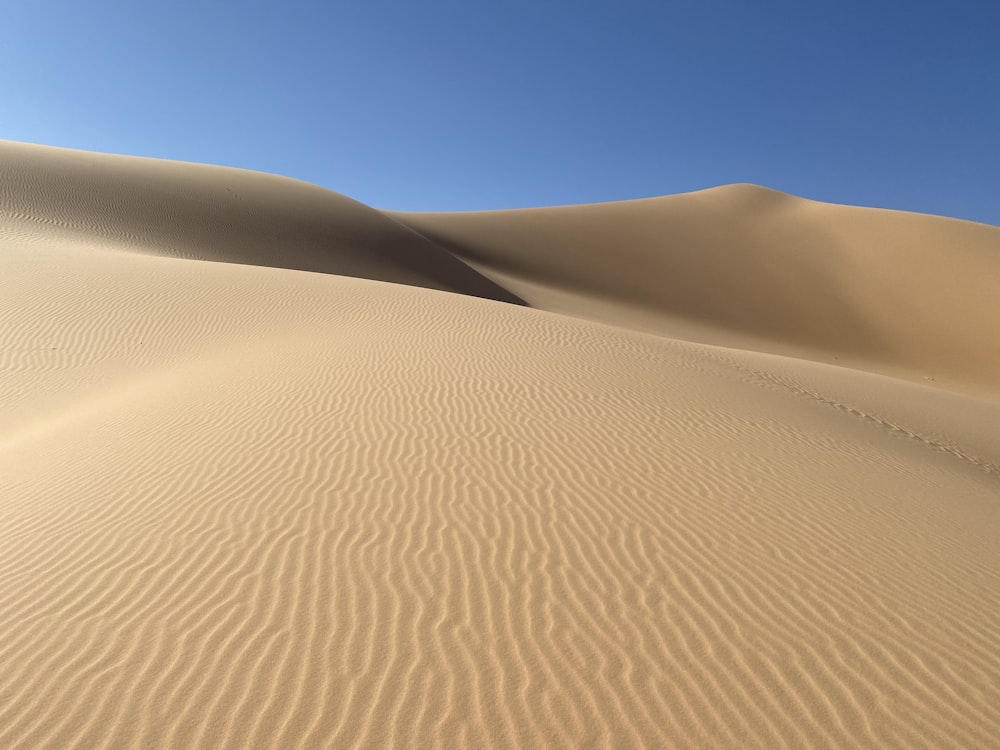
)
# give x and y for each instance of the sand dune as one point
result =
(903, 294)
(243, 505)
(202, 212)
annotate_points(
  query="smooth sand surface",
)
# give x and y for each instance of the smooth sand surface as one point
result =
(249, 505)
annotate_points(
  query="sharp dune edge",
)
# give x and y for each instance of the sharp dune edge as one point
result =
(245, 504)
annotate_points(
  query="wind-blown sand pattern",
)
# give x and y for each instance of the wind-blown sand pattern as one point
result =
(246, 504)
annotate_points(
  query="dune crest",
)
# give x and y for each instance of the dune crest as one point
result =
(247, 506)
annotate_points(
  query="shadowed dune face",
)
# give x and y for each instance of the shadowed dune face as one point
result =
(749, 267)
(214, 213)
(249, 507)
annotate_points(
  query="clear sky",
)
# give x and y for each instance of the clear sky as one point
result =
(459, 104)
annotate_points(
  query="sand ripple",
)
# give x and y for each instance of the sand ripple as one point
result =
(313, 511)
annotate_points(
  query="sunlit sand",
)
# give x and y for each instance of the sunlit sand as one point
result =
(281, 470)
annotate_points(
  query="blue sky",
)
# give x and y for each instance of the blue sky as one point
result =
(448, 105)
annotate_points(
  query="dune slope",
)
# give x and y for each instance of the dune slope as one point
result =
(248, 506)
(204, 212)
(904, 294)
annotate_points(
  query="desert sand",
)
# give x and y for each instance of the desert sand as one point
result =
(281, 470)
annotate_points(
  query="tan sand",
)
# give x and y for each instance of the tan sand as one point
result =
(243, 505)
(904, 294)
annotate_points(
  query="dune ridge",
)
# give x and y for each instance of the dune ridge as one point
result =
(243, 505)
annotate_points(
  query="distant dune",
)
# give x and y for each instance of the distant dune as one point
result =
(203, 212)
(743, 266)
(717, 470)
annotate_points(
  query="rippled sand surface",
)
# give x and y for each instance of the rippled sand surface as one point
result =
(581, 477)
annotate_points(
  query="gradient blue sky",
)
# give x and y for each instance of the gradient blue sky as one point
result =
(448, 105)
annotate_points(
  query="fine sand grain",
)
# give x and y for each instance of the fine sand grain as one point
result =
(248, 505)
